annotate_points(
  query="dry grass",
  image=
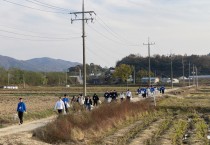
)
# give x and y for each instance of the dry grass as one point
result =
(91, 125)
(37, 107)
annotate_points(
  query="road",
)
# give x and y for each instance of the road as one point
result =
(25, 127)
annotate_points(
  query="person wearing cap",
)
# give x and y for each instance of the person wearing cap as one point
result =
(21, 108)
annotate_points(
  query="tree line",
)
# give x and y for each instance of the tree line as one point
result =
(161, 64)
(15, 76)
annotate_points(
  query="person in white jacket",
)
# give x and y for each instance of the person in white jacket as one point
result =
(128, 95)
(59, 106)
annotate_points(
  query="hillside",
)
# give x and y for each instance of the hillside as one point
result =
(37, 64)
(161, 65)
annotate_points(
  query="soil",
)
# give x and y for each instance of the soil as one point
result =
(21, 134)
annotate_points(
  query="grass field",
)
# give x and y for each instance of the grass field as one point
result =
(40, 101)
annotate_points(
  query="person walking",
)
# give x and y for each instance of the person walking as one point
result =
(66, 103)
(115, 95)
(122, 96)
(21, 108)
(128, 95)
(59, 106)
(162, 89)
(88, 103)
(95, 100)
(106, 96)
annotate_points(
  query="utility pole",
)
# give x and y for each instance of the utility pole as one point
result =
(134, 75)
(8, 77)
(189, 74)
(193, 74)
(24, 84)
(83, 19)
(149, 44)
(171, 73)
(196, 71)
(183, 71)
(66, 77)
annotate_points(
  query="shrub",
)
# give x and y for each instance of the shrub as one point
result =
(74, 127)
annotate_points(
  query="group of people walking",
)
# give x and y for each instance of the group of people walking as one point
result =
(63, 104)
(149, 91)
(113, 95)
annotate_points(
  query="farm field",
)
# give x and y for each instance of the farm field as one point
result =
(37, 107)
(40, 101)
(181, 117)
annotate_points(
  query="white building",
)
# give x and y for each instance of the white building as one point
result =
(168, 80)
(153, 80)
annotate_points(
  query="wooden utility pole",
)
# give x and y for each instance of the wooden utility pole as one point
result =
(171, 73)
(149, 44)
(83, 19)
(183, 71)
(189, 74)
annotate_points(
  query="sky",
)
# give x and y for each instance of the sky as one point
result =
(42, 28)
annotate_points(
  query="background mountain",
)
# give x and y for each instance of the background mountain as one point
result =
(44, 64)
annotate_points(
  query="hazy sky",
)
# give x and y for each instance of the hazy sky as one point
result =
(30, 29)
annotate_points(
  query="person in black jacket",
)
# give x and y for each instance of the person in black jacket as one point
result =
(88, 103)
(114, 95)
(111, 94)
(95, 100)
(106, 96)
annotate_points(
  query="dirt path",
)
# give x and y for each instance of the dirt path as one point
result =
(26, 127)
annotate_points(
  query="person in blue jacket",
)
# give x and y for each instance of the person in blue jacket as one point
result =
(21, 108)
(162, 89)
(66, 103)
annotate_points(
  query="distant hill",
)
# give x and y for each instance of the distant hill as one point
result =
(37, 64)
(161, 64)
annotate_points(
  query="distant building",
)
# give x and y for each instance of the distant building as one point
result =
(11, 87)
(168, 80)
(201, 77)
(153, 80)
(181, 78)
(111, 69)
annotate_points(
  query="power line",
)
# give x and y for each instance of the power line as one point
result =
(41, 33)
(94, 53)
(113, 33)
(108, 38)
(102, 51)
(32, 7)
(99, 46)
(47, 5)
(54, 38)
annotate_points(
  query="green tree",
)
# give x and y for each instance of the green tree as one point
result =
(141, 73)
(123, 72)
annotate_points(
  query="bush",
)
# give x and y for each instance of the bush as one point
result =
(74, 127)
